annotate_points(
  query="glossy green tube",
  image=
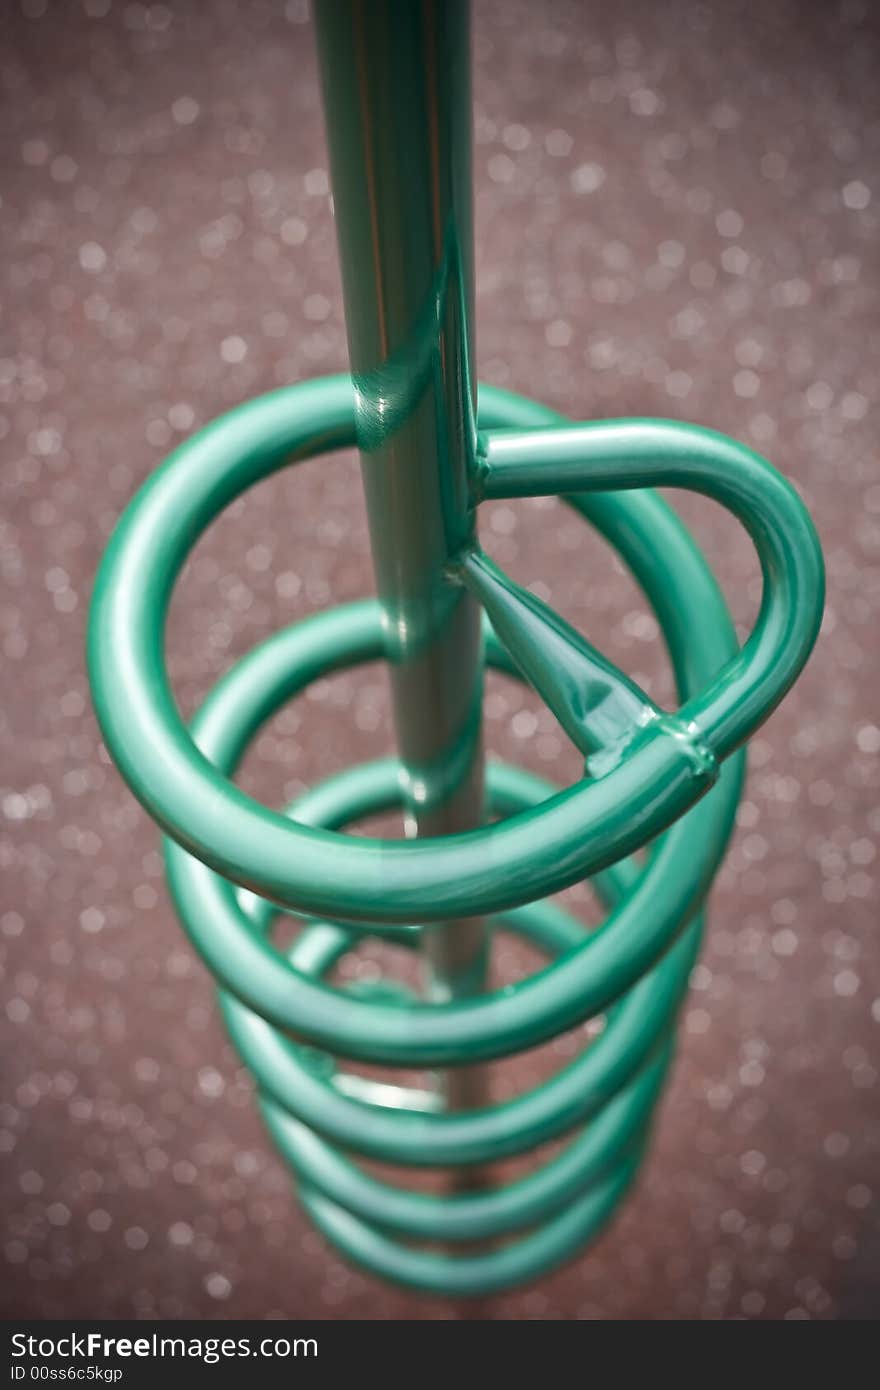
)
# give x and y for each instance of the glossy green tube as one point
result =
(621, 454)
(633, 969)
(579, 831)
(473, 1216)
(397, 102)
(574, 988)
(575, 1093)
(561, 1238)
(395, 82)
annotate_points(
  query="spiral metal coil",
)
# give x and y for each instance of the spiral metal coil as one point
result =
(651, 777)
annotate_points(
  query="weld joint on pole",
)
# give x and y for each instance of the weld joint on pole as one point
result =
(688, 737)
(478, 472)
(455, 571)
(692, 743)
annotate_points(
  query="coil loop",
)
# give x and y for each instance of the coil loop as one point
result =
(233, 865)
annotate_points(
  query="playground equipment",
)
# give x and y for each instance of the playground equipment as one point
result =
(484, 848)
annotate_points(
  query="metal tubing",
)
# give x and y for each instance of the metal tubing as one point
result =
(529, 855)
(395, 76)
(634, 969)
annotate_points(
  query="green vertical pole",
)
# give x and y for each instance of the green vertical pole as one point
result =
(396, 86)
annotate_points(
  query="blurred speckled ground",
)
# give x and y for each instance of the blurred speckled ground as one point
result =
(678, 211)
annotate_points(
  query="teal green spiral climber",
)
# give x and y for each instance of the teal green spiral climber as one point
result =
(485, 848)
